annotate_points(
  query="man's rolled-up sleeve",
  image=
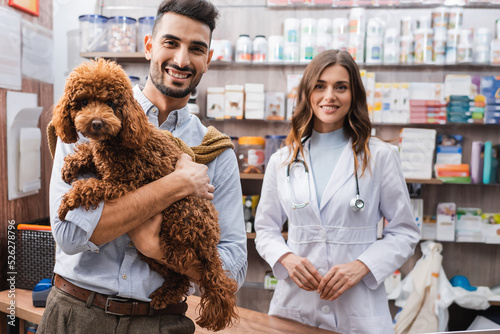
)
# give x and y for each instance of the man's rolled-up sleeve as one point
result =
(72, 235)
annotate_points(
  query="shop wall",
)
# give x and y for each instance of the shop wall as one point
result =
(36, 206)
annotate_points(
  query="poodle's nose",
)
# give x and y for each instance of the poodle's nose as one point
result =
(96, 124)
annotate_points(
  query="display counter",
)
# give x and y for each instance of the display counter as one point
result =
(250, 321)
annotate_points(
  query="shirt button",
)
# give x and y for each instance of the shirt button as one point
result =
(130, 244)
(322, 234)
(325, 309)
(124, 276)
(154, 110)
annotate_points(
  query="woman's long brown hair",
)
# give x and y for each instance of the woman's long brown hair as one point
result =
(357, 125)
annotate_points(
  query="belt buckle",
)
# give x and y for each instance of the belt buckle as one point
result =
(114, 299)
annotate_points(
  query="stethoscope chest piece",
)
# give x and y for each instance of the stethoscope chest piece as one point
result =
(357, 204)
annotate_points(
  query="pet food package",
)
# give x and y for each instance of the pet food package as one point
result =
(254, 101)
(275, 106)
(234, 99)
(215, 102)
(292, 84)
(445, 225)
(251, 155)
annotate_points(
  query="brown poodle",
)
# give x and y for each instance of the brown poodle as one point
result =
(124, 153)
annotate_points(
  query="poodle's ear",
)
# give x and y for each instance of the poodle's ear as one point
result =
(135, 124)
(64, 125)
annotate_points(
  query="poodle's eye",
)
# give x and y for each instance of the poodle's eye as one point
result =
(110, 104)
(84, 103)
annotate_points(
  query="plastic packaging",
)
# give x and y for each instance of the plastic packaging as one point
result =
(464, 48)
(324, 35)
(340, 40)
(291, 30)
(275, 49)
(223, 50)
(423, 46)
(93, 33)
(439, 23)
(243, 49)
(307, 40)
(406, 26)
(391, 46)
(452, 46)
(407, 49)
(122, 34)
(145, 27)
(374, 41)
(251, 155)
(259, 48)
(481, 49)
(456, 18)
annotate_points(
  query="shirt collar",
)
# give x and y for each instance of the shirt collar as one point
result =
(175, 119)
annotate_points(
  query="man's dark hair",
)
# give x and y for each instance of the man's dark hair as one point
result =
(199, 10)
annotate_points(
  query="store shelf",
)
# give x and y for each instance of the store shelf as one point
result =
(138, 57)
(424, 181)
(128, 57)
(415, 5)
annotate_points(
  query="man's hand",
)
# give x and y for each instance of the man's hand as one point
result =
(301, 271)
(341, 278)
(195, 177)
(146, 238)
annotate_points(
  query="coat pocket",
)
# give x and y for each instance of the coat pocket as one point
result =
(372, 325)
(285, 312)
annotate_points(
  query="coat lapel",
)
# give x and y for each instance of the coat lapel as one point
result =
(342, 172)
(313, 201)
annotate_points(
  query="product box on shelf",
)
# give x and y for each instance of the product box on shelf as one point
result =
(215, 102)
(490, 88)
(416, 150)
(446, 221)
(254, 101)
(234, 99)
(275, 105)
(469, 226)
(491, 227)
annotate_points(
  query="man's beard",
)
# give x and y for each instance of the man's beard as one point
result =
(157, 78)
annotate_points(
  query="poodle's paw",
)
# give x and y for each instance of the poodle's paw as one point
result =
(69, 174)
(63, 211)
(158, 301)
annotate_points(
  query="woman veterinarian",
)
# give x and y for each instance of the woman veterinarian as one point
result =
(333, 183)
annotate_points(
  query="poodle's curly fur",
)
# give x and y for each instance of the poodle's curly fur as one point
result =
(126, 152)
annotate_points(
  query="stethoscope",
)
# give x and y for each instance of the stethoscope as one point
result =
(356, 204)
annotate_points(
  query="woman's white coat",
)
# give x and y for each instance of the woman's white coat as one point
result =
(332, 233)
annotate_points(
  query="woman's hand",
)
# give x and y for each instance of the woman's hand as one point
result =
(146, 238)
(301, 271)
(341, 278)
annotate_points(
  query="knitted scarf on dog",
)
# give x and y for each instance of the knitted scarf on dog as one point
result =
(213, 144)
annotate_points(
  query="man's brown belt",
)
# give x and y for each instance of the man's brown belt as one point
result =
(116, 305)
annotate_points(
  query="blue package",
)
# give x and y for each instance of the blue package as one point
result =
(41, 292)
